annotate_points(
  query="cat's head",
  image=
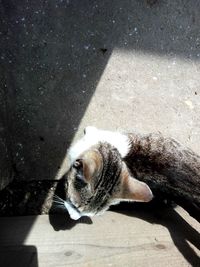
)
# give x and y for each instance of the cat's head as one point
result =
(99, 178)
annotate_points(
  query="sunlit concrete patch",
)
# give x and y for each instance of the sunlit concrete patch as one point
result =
(147, 93)
(189, 104)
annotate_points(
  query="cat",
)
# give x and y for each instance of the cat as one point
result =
(98, 177)
(107, 167)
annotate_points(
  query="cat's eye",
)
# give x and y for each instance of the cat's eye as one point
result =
(79, 181)
(80, 178)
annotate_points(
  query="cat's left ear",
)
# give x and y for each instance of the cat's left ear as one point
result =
(134, 190)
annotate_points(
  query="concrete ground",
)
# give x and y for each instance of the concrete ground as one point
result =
(119, 65)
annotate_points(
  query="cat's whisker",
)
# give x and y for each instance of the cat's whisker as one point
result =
(59, 202)
(58, 205)
(58, 198)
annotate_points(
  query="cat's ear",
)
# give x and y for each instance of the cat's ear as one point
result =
(134, 190)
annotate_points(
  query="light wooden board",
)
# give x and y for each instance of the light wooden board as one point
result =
(114, 239)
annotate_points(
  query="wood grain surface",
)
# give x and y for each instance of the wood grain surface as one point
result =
(137, 238)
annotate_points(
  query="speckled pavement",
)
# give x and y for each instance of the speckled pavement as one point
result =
(119, 65)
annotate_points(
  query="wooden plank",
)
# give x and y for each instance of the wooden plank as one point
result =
(114, 239)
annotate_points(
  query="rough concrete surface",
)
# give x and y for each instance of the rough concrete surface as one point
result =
(114, 64)
(119, 65)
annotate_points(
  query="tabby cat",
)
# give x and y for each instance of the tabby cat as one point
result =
(98, 176)
(106, 168)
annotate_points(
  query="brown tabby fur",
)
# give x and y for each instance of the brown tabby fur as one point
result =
(171, 170)
(104, 178)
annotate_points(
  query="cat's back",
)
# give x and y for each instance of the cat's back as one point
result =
(164, 154)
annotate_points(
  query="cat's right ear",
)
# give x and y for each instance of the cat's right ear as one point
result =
(134, 190)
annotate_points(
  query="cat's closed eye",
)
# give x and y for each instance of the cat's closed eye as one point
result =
(79, 182)
(79, 178)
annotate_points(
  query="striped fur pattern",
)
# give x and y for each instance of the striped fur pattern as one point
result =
(98, 176)
(90, 190)
(109, 178)
(108, 167)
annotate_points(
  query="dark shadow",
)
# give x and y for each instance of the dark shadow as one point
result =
(53, 54)
(19, 255)
(58, 215)
(64, 222)
(160, 213)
